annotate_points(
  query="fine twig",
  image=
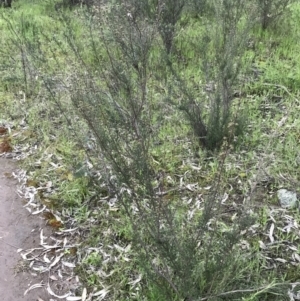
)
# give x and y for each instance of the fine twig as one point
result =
(262, 288)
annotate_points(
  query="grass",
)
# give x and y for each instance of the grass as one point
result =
(265, 157)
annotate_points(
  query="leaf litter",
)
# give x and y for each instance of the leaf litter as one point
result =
(277, 236)
(49, 256)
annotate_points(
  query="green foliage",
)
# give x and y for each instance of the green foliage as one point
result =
(94, 259)
(73, 192)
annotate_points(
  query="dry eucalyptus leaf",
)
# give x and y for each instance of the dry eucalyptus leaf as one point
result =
(49, 290)
(262, 245)
(281, 260)
(102, 293)
(39, 211)
(84, 293)
(46, 259)
(271, 233)
(296, 256)
(294, 248)
(34, 286)
(56, 260)
(69, 264)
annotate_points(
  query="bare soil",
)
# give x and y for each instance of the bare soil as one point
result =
(18, 230)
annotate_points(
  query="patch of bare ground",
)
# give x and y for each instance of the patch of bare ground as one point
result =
(18, 230)
(23, 244)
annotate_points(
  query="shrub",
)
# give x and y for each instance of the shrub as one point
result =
(114, 99)
(221, 43)
(5, 3)
(185, 253)
(271, 10)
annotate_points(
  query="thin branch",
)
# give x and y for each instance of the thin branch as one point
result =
(249, 290)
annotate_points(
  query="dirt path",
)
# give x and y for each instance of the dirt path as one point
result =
(18, 230)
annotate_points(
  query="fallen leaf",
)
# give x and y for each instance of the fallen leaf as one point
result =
(120, 249)
(262, 245)
(84, 293)
(56, 260)
(68, 264)
(271, 233)
(42, 237)
(225, 198)
(281, 260)
(49, 290)
(128, 248)
(39, 211)
(37, 285)
(294, 248)
(46, 259)
(297, 257)
(102, 293)
(282, 121)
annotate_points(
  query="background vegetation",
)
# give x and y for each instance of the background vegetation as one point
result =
(166, 129)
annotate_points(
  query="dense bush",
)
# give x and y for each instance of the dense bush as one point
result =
(113, 97)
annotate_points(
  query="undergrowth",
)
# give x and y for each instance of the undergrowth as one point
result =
(240, 180)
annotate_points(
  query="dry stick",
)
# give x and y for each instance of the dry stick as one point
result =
(248, 290)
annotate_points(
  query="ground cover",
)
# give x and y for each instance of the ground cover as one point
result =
(69, 174)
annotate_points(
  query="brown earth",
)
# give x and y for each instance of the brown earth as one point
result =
(18, 230)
